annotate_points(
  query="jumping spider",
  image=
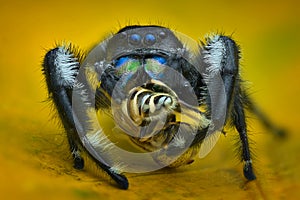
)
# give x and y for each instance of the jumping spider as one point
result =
(150, 82)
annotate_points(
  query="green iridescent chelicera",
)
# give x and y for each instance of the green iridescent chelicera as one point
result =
(129, 66)
(151, 66)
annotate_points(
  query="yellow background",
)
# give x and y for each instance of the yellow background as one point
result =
(34, 161)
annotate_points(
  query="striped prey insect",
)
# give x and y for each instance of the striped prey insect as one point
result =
(170, 99)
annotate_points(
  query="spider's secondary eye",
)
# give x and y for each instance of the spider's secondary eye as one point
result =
(135, 39)
(149, 39)
(160, 59)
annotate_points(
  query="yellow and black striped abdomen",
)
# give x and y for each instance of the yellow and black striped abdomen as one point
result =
(150, 102)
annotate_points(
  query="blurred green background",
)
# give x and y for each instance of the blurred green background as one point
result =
(33, 152)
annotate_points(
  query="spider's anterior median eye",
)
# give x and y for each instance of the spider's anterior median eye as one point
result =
(155, 66)
(127, 64)
(121, 61)
(160, 59)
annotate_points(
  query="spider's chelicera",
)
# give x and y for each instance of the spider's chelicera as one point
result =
(168, 94)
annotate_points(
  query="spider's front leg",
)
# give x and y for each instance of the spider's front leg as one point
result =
(221, 58)
(60, 68)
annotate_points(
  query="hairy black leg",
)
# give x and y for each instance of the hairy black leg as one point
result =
(60, 68)
(230, 76)
(238, 117)
(221, 56)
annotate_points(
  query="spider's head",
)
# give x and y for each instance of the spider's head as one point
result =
(142, 40)
(147, 61)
